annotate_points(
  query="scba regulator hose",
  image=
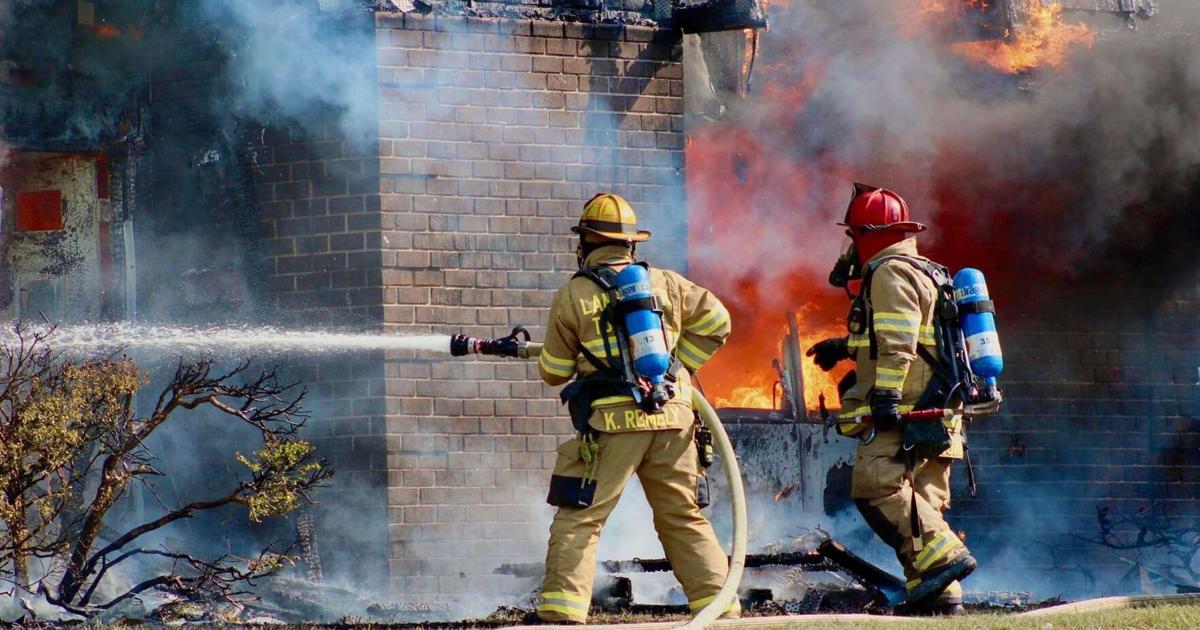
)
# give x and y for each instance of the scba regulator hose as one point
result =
(737, 494)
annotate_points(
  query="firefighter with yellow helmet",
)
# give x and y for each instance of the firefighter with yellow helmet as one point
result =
(618, 436)
(901, 478)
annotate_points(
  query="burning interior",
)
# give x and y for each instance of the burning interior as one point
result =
(414, 168)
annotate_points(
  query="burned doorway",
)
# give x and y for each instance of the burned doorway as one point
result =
(58, 259)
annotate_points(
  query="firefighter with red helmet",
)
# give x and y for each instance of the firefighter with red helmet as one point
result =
(901, 491)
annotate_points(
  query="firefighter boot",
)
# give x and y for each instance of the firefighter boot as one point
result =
(924, 589)
(948, 603)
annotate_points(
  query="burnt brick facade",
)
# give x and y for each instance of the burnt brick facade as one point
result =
(1102, 413)
(491, 135)
(453, 215)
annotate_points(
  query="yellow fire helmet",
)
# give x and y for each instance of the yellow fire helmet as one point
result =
(611, 217)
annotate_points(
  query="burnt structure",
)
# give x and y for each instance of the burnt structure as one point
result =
(437, 196)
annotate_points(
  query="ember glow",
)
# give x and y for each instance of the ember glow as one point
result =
(1046, 39)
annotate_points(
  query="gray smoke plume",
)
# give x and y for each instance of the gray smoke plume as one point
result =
(293, 60)
(1059, 183)
(1064, 166)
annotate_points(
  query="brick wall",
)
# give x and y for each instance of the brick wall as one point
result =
(307, 240)
(1102, 412)
(492, 135)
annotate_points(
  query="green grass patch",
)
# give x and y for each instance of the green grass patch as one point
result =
(1168, 617)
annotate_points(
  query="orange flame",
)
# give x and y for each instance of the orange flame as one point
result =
(1044, 40)
(760, 217)
(735, 185)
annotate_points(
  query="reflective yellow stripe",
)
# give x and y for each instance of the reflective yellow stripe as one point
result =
(612, 400)
(596, 347)
(889, 378)
(935, 551)
(556, 366)
(908, 329)
(570, 597)
(865, 410)
(570, 612)
(859, 341)
(694, 350)
(550, 359)
(895, 318)
(690, 355)
(702, 322)
(714, 327)
(697, 604)
(691, 363)
(711, 322)
(555, 371)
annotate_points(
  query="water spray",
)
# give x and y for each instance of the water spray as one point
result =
(518, 345)
(135, 338)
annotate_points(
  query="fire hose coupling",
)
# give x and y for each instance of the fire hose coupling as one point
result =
(515, 345)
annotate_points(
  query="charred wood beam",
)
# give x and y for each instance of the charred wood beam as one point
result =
(719, 15)
(886, 589)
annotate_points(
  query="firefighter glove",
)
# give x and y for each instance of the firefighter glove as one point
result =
(828, 353)
(885, 408)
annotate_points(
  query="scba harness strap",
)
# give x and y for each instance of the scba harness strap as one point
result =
(613, 316)
(944, 322)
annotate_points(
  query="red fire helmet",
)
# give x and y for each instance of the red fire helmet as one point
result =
(875, 209)
(877, 218)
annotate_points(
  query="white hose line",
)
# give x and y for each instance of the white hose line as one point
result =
(1114, 603)
(737, 496)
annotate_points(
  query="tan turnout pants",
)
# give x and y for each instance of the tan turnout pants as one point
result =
(667, 465)
(881, 490)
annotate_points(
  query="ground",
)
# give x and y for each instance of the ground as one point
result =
(1166, 617)
(1158, 617)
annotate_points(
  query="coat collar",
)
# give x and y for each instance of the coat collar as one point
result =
(608, 255)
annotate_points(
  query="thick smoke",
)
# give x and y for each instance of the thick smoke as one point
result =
(1060, 184)
(292, 60)
(1058, 170)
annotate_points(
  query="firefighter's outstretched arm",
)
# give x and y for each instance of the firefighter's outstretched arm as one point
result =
(706, 325)
(556, 363)
(896, 320)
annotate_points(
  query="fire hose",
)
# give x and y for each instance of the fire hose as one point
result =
(515, 346)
